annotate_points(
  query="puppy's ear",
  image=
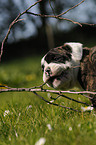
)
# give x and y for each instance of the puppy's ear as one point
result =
(76, 50)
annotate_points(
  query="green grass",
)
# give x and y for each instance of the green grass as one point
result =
(28, 115)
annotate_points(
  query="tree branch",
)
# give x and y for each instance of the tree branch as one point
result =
(11, 25)
(40, 89)
(56, 17)
(55, 103)
(9, 89)
(51, 7)
(71, 8)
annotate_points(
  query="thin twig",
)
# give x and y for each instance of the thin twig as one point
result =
(60, 18)
(59, 93)
(74, 100)
(51, 7)
(88, 24)
(55, 103)
(70, 8)
(55, 98)
(11, 25)
(47, 91)
(56, 17)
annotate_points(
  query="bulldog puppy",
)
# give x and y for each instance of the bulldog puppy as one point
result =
(61, 65)
(66, 66)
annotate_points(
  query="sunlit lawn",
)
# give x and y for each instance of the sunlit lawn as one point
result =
(24, 117)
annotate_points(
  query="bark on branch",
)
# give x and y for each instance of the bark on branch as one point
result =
(40, 88)
(35, 89)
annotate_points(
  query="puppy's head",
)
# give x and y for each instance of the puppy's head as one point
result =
(59, 65)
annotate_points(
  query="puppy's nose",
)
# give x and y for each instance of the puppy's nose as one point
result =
(48, 72)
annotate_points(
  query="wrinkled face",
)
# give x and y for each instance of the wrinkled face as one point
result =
(59, 66)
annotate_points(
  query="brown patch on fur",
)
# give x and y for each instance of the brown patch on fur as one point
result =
(87, 72)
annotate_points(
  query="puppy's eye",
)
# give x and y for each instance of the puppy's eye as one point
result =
(48, 71)
(42, 66)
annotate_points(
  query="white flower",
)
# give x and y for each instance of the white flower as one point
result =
(51, 101)
(89, 108)
(31, 130)
(70, 128)
(49, 126)
(41, 141)
(79, 125)
(19, 114)
(9, 138)
(6, 112)
(28, 107)
(16, 133)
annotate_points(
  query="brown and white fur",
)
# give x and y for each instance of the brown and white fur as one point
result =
(63, 67)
